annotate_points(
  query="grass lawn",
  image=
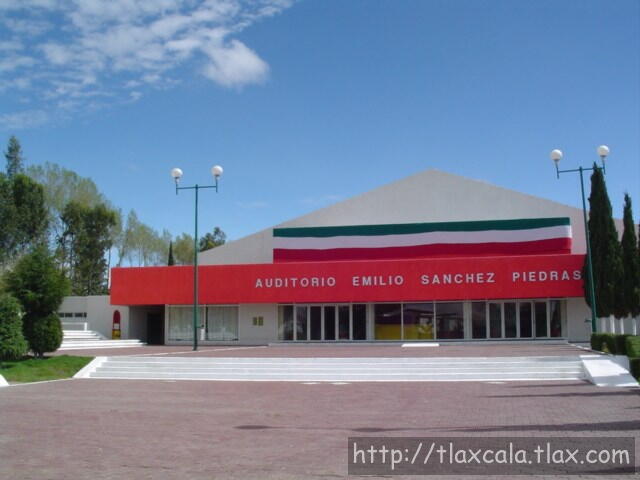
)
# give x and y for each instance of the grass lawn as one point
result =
(31, 369)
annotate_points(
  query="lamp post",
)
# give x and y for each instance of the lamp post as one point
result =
(176, 173)
(603, 152)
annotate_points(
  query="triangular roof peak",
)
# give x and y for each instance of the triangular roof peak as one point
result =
(428, 196)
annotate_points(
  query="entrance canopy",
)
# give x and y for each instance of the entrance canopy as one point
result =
(471, 278)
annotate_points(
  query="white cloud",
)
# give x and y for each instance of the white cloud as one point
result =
(234, 65)
(122, 45)
(15, 62)
(24, 119)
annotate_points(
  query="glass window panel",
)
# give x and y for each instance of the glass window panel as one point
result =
(387, 317)
(479, 320)
(495, 320)
(181, 323)
(418, 321)
(525, 320)
(315, 319)
(301, 323)
(330, 322)
(510, 325)
(343, 322)
(449, 320)
(556, 318)
(285, 322)
(541, 319)
(222, 323)
(359, 321)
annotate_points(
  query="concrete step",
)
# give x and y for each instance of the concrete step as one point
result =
(341, 369)
(99, 343)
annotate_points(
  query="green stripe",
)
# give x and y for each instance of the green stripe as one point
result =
(404, 228)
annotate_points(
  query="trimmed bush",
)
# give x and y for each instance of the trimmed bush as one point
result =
(45, 334)
(597, 341)
(609, 340)
(634, 368)
(621, 343)
(12, 343)
(633, 346)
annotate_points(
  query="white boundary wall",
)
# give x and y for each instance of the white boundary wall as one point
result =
(99, 313)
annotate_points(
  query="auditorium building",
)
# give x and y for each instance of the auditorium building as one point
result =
(432, 257)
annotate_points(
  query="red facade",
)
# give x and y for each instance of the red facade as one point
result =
(477, 278)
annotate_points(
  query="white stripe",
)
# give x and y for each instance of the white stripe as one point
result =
(427, 238)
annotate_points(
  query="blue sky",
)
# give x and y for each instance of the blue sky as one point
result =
(308, 102)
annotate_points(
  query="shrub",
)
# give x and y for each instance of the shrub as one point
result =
(634, 368)
(45, 334)
(40, 287)
(609, 343)
(12, 343)
(621, 343)
(597, 341)
(633, 346)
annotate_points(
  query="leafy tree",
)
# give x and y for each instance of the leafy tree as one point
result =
(62, 186)
(31, 212)
(84, 244)
(631, 262)
(12, 343)
(605, 249)
(171, 261)
(14, 157)
(212, 240)
(39, 286)
(8, 219)
(183, 249)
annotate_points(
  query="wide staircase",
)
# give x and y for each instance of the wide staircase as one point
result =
(87, 339)
(342, 369)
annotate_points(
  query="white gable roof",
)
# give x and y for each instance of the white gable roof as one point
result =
(428, 196)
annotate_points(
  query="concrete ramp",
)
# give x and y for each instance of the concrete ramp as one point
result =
(608, 371)
(339, 369)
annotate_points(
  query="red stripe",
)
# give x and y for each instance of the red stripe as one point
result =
(537, 247)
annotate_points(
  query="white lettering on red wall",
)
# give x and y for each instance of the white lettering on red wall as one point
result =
(293, 282)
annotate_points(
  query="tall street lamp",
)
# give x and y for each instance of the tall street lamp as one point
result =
(176, 173)
(603, 152)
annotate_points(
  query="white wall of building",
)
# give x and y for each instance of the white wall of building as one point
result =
(578, 330)
(250, 334)
(99, 313)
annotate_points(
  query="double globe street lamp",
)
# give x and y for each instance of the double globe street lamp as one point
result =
(176, 173)
(603, 152)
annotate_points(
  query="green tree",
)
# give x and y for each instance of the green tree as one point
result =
(84, 245)
(12, 343)
(171, 261)
(212, 240)
(8, 220)
(605, 249)
(14, 157)
(630, 262)
(39, 286)
(62, 186)
(31, 212)
(183, 249)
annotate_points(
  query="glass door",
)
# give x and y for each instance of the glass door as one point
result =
(315, 323)
(329, 322)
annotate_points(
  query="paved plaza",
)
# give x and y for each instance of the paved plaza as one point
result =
(123, 429)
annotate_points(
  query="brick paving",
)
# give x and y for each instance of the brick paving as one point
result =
(112, 429)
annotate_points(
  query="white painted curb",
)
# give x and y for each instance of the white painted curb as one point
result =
(3, 382)
(91, 367)
(421, 344)
(607, 371)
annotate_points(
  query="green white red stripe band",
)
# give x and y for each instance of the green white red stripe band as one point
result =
(495, 237)
(429, 238)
